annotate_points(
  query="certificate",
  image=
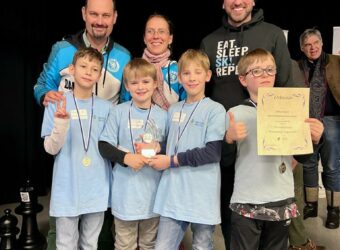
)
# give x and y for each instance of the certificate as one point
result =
(281, 129)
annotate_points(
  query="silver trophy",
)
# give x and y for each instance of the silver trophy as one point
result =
(150, 139)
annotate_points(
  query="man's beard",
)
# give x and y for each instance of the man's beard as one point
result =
(238, 19)
(99, 36)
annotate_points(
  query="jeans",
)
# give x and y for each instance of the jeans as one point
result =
(72, 236)
(171, 232)
(329, 153)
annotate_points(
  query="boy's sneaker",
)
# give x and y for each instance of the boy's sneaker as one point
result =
(310, 245)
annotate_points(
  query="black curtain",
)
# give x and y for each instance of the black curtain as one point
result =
(29, 28)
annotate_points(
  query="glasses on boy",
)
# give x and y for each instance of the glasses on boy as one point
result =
(256, 72)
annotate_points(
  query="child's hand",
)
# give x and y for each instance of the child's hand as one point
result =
(236, 131)
(316, 129)
(135, 161)
(61, 109)
(159, 162)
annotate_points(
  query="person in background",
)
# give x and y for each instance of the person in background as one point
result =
(158, 38)
(263, 201)
(100, 17)
(243, 29)
(134, 183)
(297, 234)
(189, 189)
(321, 75)
(81, 177)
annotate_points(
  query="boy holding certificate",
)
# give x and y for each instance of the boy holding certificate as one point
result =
(81, 177)
(134, 184)
(263, 198)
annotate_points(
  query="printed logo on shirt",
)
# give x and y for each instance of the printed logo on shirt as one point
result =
(197, 123)
(66, 80)
(113, 65)
(173, 77)
(82, 113)
(227, 57)
(175, 117)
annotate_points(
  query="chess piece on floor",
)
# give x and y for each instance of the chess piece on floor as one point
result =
(8, 231)
(30, 237)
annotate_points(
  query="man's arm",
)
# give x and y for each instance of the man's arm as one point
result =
(48, 80)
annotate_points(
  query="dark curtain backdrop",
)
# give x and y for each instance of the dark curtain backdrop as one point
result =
(29, 28)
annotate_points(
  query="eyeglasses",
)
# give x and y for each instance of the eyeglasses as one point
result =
(259, 71)
(160, 32)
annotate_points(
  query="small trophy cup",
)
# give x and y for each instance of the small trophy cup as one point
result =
(150, 139)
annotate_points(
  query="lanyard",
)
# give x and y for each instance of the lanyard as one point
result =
(147, 120)
(254, 103)
(86, 144)
(180, 133)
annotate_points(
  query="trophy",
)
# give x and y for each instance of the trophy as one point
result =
(150, 139)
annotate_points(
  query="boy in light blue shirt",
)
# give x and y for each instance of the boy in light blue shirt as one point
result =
(262, 202)
(81, 177)
(189, 190)
(134, 182)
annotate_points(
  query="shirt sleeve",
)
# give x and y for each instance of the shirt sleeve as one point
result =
(211, 153)
(54, 142)
(111, 152)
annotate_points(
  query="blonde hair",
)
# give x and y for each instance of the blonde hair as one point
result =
(193, 56)
(139, 67)
(256, 55)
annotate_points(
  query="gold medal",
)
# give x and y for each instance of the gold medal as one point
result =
(282, 168)
(86, 161)
(147, 138)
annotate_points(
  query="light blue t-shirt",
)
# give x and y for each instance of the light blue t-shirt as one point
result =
(258, 178)
(192, 193)
(79, 189)
(133, 192)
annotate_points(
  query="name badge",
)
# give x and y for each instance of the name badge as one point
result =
(82, 113)
(137, 123)
(175, 117)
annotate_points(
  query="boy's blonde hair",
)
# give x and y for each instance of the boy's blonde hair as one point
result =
(256, 55)
(139, 67)
(193, 56)
(90, 53)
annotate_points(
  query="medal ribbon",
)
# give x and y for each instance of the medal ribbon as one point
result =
(86, 144)
(147, 120)
(180, 133)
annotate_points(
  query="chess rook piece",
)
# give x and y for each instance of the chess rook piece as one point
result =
(8, 231)
(30, 237)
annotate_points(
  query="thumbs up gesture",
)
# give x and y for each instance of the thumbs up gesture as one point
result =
(236, 131)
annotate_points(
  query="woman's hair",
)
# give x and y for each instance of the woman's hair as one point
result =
(169, 22)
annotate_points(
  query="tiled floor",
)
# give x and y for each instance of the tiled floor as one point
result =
(315, 226)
